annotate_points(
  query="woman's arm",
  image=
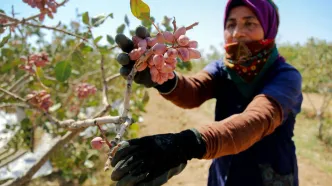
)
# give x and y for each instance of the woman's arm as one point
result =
(240, 131)
(278, 99)
(189, 91)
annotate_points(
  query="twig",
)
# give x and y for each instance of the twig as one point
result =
(74, 125)
(12, 95)
(86, 75)
(130, 79)
(23, 22)
(310, 101)
(112, 77)
(155, 25)
(41, 83)
(37, 15)
(191, 26)
(5, 105)
(103, 134)
(51, 118)
(105, 89)
(174, 25)
(57, 143)
(21, 79)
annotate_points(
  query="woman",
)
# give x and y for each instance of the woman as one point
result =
(258, 97)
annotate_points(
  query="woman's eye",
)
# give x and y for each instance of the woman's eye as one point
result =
(249, 24)
(231, 25)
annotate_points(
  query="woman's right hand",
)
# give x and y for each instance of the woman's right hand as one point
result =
(127, 45)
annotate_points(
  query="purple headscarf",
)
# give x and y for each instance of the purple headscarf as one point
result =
(266, 12)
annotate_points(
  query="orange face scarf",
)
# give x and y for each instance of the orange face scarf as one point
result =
(247, 59)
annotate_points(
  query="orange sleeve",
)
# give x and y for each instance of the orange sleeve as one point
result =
(191, 91)
(240, 131)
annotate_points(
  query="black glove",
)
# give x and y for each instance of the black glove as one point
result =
(152, 160)
(127, 45)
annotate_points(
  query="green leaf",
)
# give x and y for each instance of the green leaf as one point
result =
(86, 48)
(120, 29)
(139, 9)
(6, 52)
(110, 39)
(99, 19)
(126, 20)
(55, 107)
(89, 164)
(98, 39)
(82, 178)
(62, 71)
(2, 11)
(146, 98)
(85, 18)
(77, 57)
(5, 40)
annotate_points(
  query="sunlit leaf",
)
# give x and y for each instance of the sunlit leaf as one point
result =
(139, 9)
(77, 57)
(120, 29)
(98, 39)
(110, 39)
(5, 40)
(62, 71)
(126, 20)
(7, 52)
(85, 18)
(54, 107)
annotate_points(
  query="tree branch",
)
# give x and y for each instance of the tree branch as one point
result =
(50, 117)
(110, 78)
(310, 101)
(74, 125)
(24, 22)
(37, 15)
(5, 105)
(191, 26)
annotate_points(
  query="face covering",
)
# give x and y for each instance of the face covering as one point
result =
(247, 59)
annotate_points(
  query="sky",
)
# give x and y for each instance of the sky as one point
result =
(300, 19)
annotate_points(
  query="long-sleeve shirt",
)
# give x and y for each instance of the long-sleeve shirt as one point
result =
(247, 133)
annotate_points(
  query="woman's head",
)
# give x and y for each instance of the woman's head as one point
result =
(250, 20)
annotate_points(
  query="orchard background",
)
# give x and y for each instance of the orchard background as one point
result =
(74, 75)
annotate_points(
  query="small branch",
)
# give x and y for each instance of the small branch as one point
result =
(40, 82)
(5, 105)
(326, 101)
(20, 80)
(103, 134)
(86, 75)
(37, 15)
(155, 26)
(112, 77)
(311, 102)
(105, 89)
(55, 145)
(191, 26)
(174, 25)
(130, 79)
(51, 118)
(12, 95)
(74, 125)
(23, 22)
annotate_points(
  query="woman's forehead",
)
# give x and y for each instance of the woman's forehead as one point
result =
(241, 12)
